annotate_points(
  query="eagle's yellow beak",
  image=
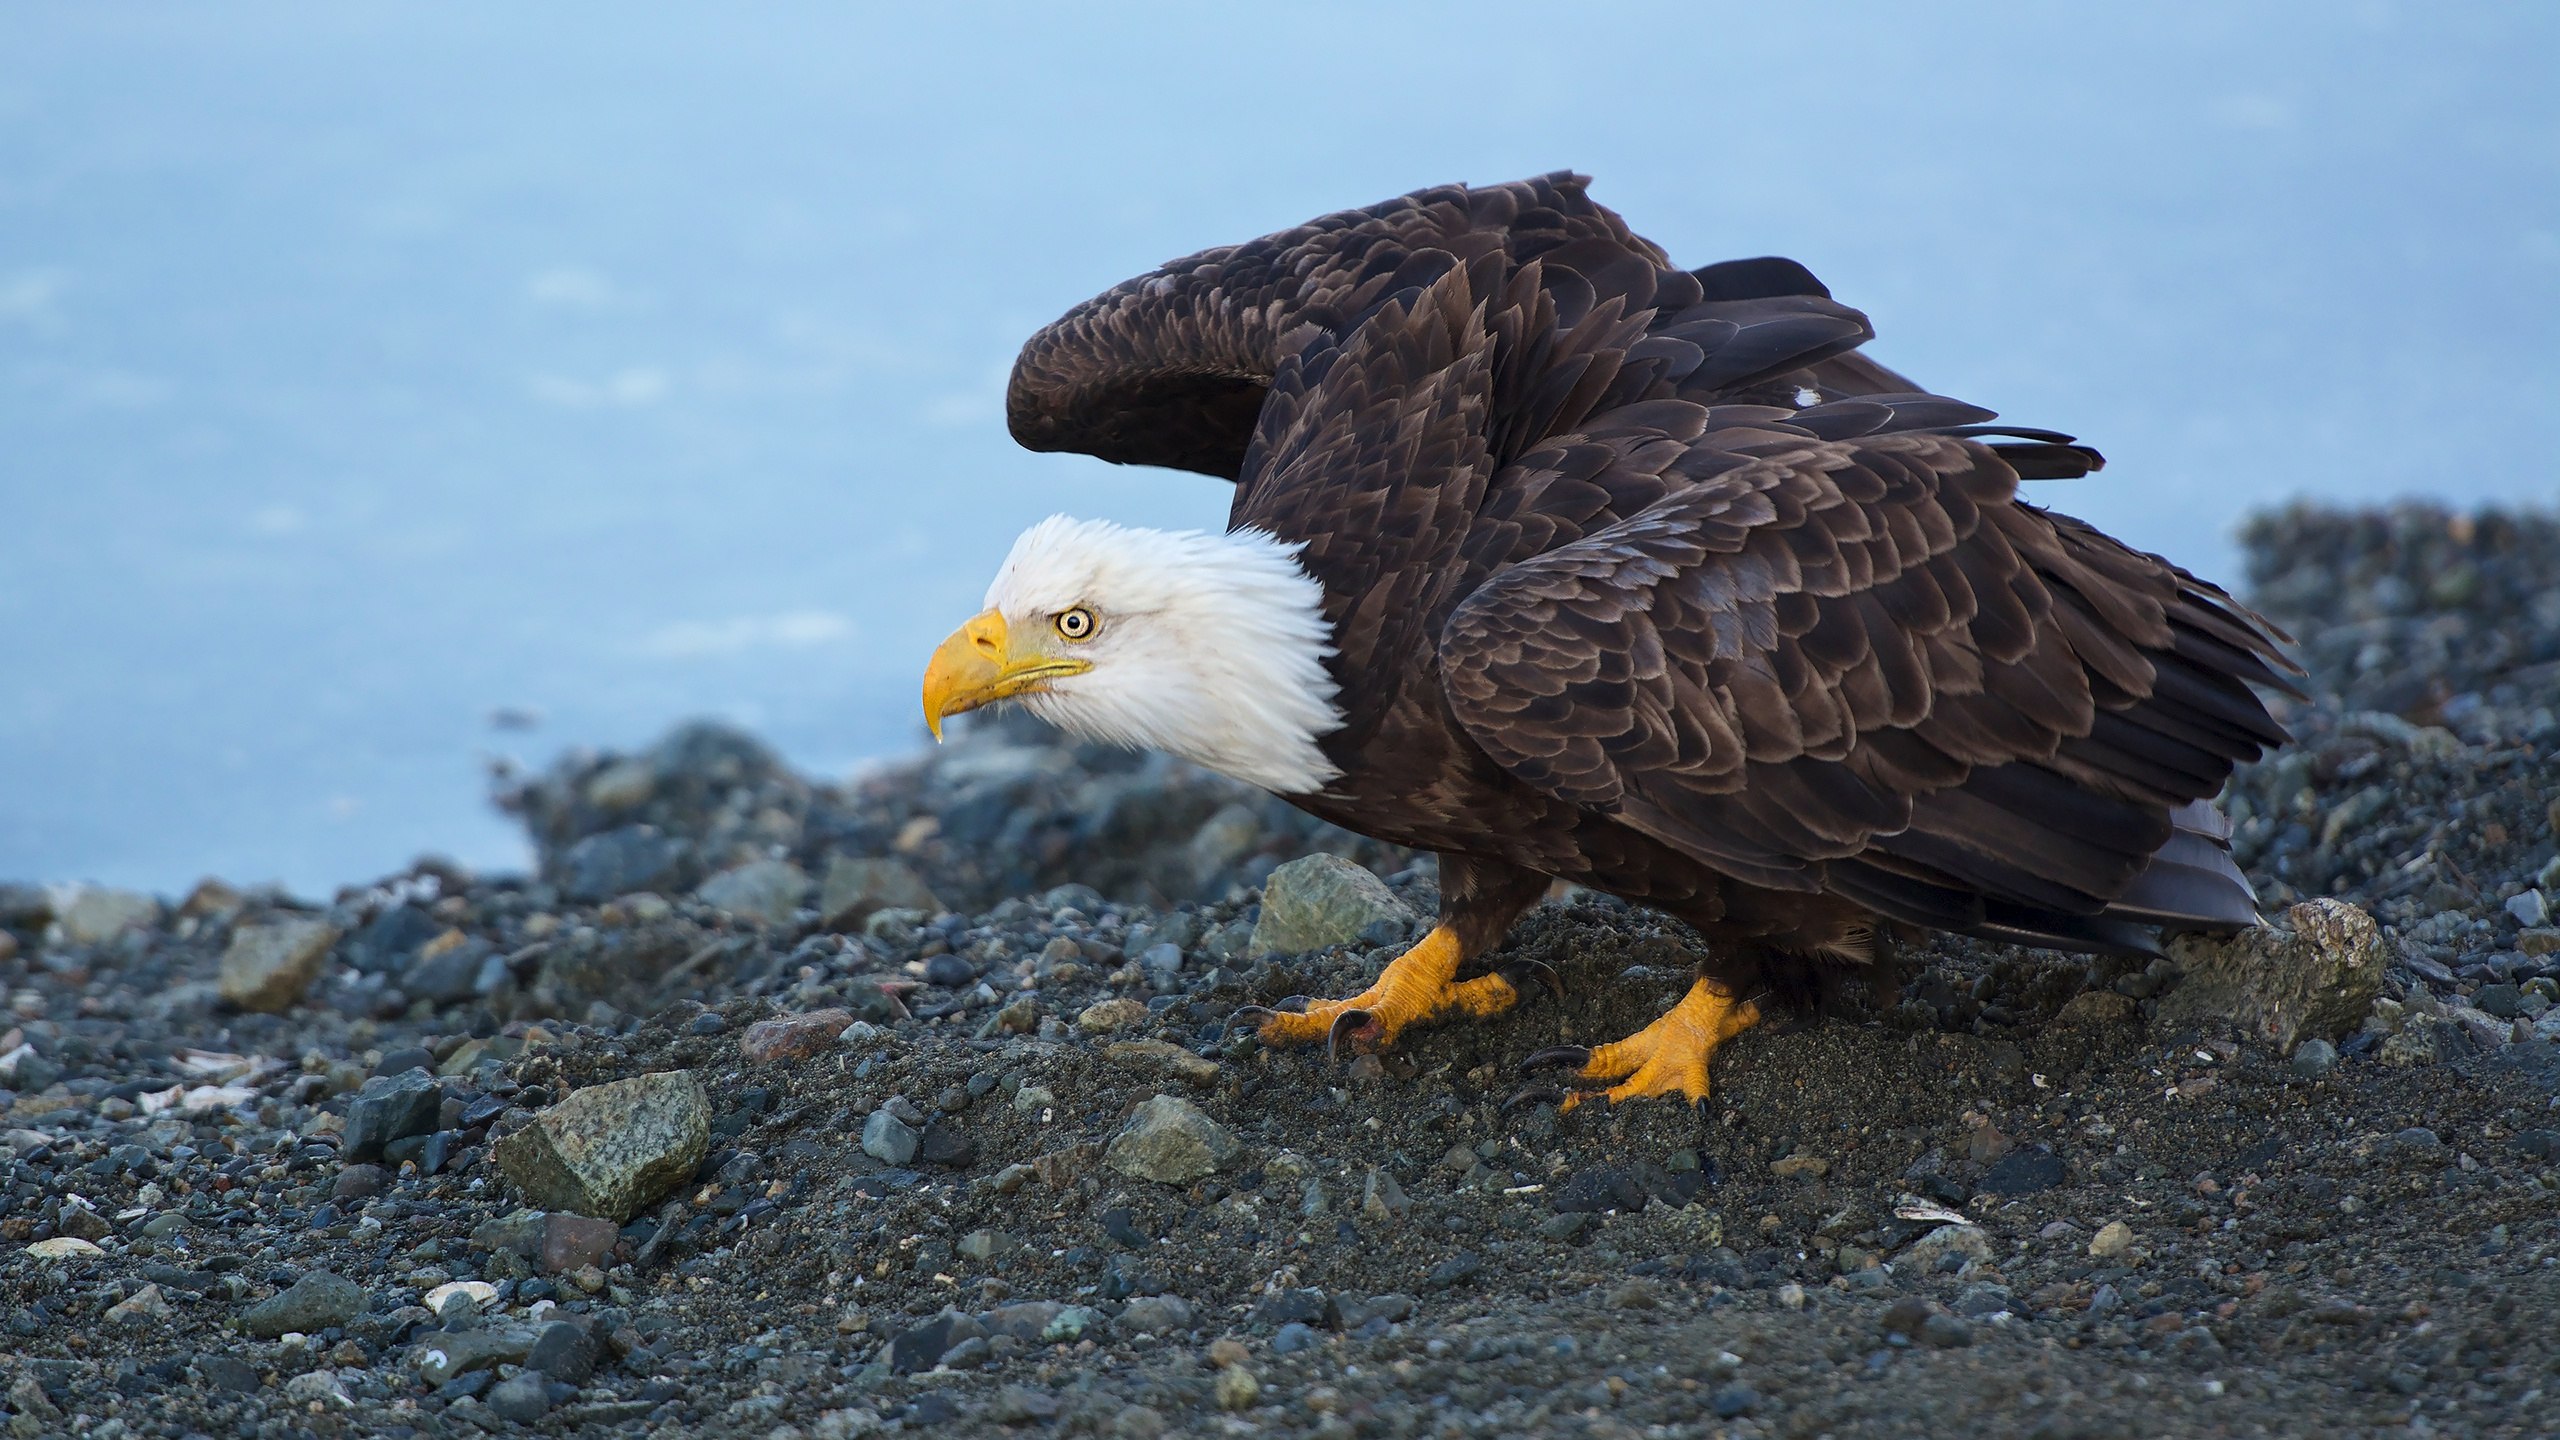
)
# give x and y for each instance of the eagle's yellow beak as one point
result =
(980, 664)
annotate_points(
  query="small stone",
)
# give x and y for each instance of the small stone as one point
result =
(63, 1247)
(793, 1037)
(947, 1146)
(1926, 1254)
(1171, 1141)
(2027, 1170)
(2417, 1140)
(563, 1351)
(1293, 1337)
(451, 969)
(1235, 1388)
(2539, 1144)
(1157, 1315)
(310, 1305)
(855, 888)
(318, 1387)
(570, 1241)
(96, 914)
(82, 1223)
(1457, 1270)
(611, 1150)
(2529, 908)
(1022, 1405)
(268, 966)
(622, 785)
(1567, 1225)
(1191, 1069)
(1138, 1422)
(2501, 1000)
(2314, 1058)
(389, 1108)
(1982, 1300)
(1069, 1324)
(1382, 1201)
(634, 859)
(1791, 1295)
(1732, 1402)
(1321, 900)
(446, 1355)
(1636, 1294)
(1800, 1167)
(141, 1307)
(1942, 1331)
(2113, 1239)
(886, 1137)
(1905, 1316)
(223, 1373)
(465, 1298)
(523, 1398)
(1025, 1320)
(768, 892)
(2317, 975)
(1105, 1016)
(985, 1245)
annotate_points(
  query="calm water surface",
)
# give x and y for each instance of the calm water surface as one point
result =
(366, 369)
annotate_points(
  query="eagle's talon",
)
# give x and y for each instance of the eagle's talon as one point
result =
(1264, 1014)
(1520, 974)
(1349, 1022)
(1419, 985)
(1537, 1095)
(1575, 1056)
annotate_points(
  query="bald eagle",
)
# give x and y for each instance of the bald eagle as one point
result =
(1563, 563)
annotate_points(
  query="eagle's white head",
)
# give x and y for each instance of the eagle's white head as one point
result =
(1210, 647)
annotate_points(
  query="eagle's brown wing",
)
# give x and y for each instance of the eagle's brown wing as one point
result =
(1861, 666)
(1172, 368)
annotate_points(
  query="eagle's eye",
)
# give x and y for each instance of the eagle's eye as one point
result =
(1076, 624)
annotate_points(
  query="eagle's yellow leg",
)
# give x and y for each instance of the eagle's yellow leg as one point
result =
(1415, 986)
(1670, 1055)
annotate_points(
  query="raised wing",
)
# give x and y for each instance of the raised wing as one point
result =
(1172, 368)
(1861, 666)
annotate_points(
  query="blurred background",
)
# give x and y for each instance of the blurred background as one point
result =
(387, 388)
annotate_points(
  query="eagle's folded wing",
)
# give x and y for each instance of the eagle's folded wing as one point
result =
(1861, 666)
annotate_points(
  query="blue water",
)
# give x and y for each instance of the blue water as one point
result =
(364, 369)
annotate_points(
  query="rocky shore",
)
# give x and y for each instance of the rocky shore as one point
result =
(772, 1107)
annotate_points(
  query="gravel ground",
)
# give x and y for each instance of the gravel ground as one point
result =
(906, 1106)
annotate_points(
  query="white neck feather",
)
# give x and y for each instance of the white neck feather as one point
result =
(1210, 647)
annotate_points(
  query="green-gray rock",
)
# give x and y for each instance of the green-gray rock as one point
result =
(2316, 973)
(310, 1305)
(1171, 1141)
(762, 890)
(857, 887)
(1321, 900)
(97, 914)
(269, 965)
(611, 1150)
(449, 1354)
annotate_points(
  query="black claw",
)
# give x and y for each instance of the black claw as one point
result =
(1523, 973)
(1348, 1020)
(1576, 1056)
(1535, 1095)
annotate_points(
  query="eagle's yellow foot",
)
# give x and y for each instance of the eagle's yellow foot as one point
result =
(1415, 986)
(1667, 1057)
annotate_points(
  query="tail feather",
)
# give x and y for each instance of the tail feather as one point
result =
(2191, 883)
